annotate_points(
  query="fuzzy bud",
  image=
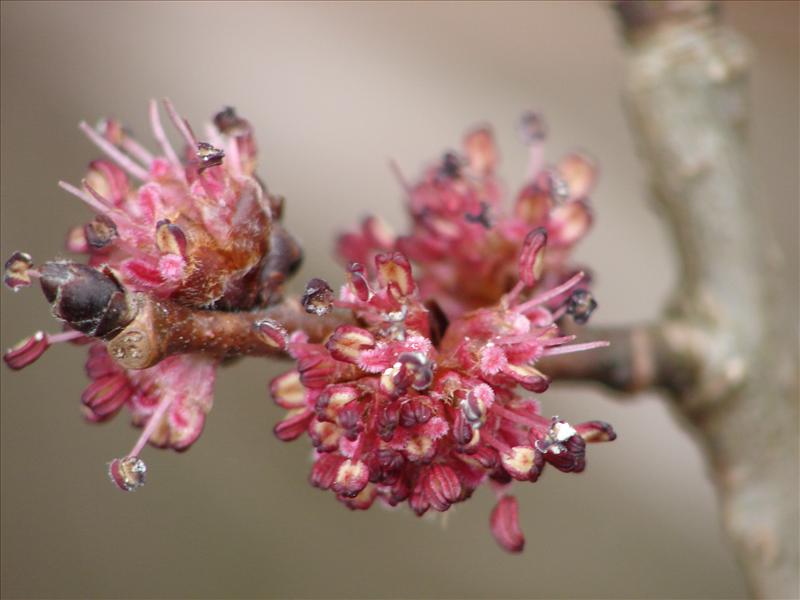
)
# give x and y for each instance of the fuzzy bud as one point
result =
(531, 259)
(504, 522)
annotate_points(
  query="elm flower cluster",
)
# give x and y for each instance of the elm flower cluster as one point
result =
(463, 238)
(171, 232)
(400, 409)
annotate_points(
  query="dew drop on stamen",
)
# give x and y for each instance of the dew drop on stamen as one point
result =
(128, 473)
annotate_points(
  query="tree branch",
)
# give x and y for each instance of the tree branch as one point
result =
(163, 328)
(721, 352)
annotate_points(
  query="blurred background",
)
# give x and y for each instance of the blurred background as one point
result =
(334, 91)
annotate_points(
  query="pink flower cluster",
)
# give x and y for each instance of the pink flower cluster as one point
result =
(193, 227)
(464, 240)
(416, 401)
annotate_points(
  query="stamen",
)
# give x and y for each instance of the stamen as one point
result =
(161, 137)
(551, 293)
(113, 152)
(398, 174)
(135, 149)
(494, 442)
(533, 131)
(234, 158)
(94, 203)
(65, 336)
(518, 418)
(576, 348)
(128, 473)
(180, 123)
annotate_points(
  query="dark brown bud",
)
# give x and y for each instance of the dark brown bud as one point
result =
(90, 301)
(581, 305)
(100, 232)
(284, 259)
(318, 297)
(437, 322)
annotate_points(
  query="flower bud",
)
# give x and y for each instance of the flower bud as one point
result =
(293, 425)
(272, 333)
(348, 341)
(596, 431)
(442, 486)
(481, 151)
(394, 273)
(523, 463)
(27, 351)
(324, 436)
(90, 301)
(318, 297)
(325, 469)
(504, 522)
(351, 478)
(128, 473)
(105, 396)
(580, 173)
(357, 279)
(531, 259)
(287, 391)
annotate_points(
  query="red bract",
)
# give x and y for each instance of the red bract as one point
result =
(398, 417)
(465, 242)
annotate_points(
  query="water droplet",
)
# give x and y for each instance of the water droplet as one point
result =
(128, 473)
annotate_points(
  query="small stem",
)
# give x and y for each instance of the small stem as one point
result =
(152, 423)
(551, 293)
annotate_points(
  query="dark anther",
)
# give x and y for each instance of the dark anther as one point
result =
(318, 297)
(208, 155)
(482, 217)
(581, 305)
(451, 166)
(100, 231)
(532, 127)
(91, 301)
(229, 123)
